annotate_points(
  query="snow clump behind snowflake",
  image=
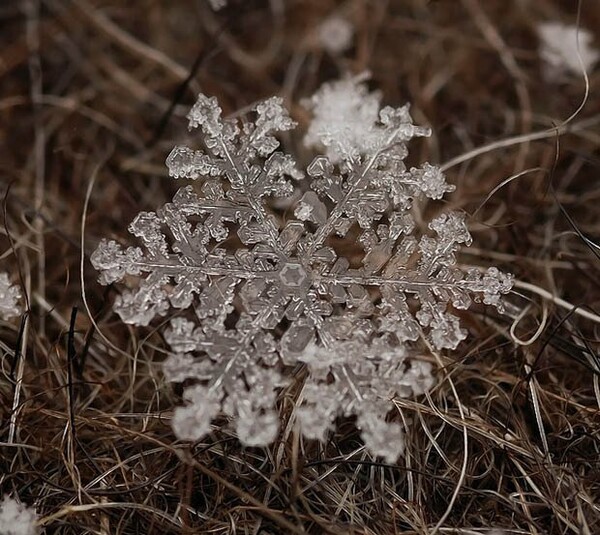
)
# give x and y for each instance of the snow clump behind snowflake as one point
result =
(255, 295)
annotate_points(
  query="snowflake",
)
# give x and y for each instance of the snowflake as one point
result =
(16, 519)
(562, 46)
(9, 298)
(255, 295)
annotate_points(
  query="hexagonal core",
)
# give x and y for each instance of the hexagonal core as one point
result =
(293, 275)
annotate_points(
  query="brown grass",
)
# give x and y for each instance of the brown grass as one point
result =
(93, 97)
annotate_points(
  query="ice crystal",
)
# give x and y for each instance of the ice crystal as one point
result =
(255, 295)
(16, 519)
(562, 47)
(9, 298)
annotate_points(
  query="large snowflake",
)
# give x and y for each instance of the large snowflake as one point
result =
(255, 294)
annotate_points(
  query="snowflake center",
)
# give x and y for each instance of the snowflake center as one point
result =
(293, 275)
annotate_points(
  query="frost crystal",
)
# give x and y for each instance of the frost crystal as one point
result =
(560, 52)
(255, 294)
(16, 519)
(9, 298)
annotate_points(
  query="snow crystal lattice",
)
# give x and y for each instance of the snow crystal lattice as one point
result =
(259, 292)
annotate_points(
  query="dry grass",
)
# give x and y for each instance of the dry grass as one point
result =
(93, 97)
